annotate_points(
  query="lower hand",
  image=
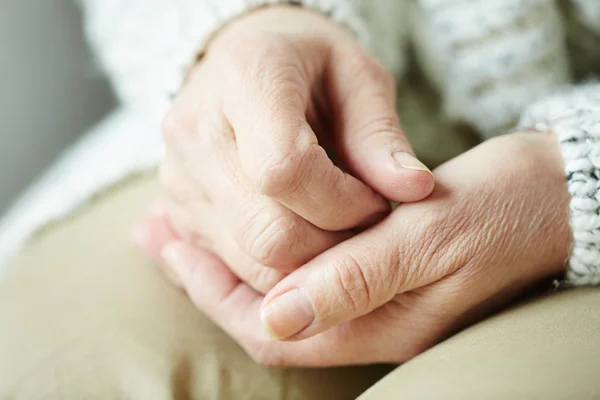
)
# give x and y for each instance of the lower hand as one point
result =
(496, 223)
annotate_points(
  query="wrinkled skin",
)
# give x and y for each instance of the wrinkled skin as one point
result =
(246, 172)
(496, 223)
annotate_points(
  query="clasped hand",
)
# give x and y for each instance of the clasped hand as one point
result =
(260, 227)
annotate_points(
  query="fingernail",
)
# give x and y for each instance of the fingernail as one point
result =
(409, 161)
(177, 265)
(287, 315)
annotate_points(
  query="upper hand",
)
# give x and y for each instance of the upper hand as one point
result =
(496, 223)
(246, 172)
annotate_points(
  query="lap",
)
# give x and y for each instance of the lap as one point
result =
(84, 315)
(545, 348)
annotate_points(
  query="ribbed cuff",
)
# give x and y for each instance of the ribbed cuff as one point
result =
(574, 117)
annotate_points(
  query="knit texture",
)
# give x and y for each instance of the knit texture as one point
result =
(574, 116)
(147, 46)
(490, 58)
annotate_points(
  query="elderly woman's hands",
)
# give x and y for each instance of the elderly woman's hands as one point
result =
(496, 223)
(246, 172)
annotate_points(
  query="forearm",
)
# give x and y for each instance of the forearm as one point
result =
(490, 58)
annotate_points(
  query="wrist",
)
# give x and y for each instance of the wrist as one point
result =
(543, 162)
(571, 116)
(288, 20)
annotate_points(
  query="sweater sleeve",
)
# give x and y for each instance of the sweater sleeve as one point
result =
(489, 58)
(574, 116)
(146, 46)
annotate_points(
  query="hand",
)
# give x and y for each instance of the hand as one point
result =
(496, 223)
(246, 172)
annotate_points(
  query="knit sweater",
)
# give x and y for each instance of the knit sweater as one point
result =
(493, 63)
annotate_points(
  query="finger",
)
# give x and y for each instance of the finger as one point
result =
(154, 232)
(259, 277)
(275, 237)
(235, 307)
(269, 233)
(349, 280)
(151, 235)
(280, 154)
(205, 277)
(371, 141)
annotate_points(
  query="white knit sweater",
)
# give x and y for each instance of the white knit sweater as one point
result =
(491, 61)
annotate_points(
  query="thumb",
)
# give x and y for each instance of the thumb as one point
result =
(282, 158)
(341, 284)
(371, 141)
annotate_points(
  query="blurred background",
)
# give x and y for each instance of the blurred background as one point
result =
(51, 90)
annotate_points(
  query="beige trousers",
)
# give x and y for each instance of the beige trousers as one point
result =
(83, 315)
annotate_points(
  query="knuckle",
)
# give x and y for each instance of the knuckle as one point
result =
(351, 279)
(280, 173)
(383, 124)
(262, 279)
(276, 176)
(269, 238)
